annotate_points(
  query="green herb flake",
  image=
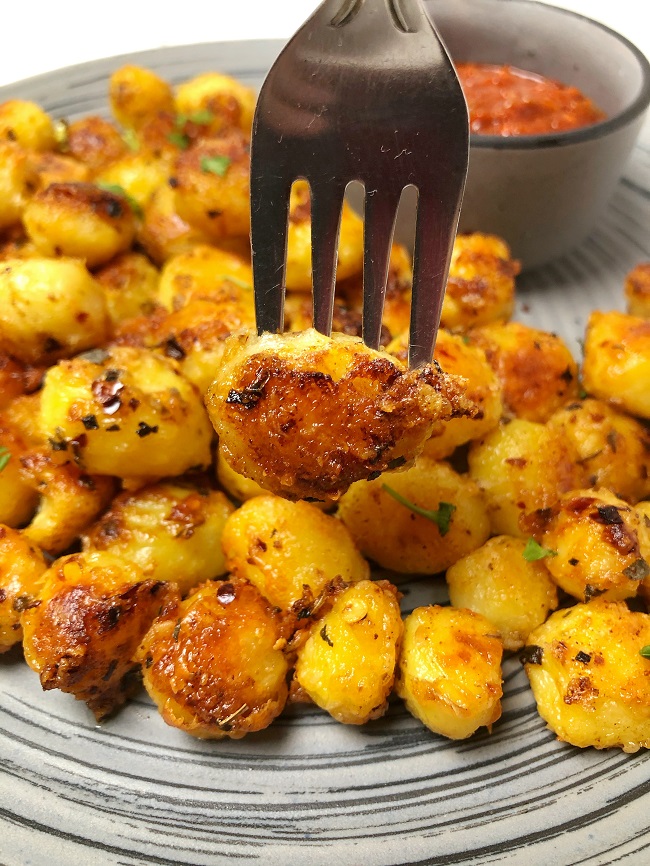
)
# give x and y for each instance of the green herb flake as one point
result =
(5, 457)
(234, 280)
(200, 118)
(118, 190)
(440, 516)
(534, 551)
(176, 631)
(179, 140)
(645, 651)
(130, 139)
(216, 164)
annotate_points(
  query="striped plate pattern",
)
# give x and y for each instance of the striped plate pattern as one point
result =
(133, 791)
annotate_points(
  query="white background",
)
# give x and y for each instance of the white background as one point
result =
(38, 36)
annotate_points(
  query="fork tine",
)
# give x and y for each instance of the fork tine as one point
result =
(379, 222)
(326, 204)
(432, 256)
(269, 225)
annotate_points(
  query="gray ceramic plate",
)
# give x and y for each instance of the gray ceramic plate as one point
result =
(308, 790)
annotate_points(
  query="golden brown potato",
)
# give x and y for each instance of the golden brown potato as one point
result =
(211, 185)
(206, 273)
(16, 379)
(236, 486)
(93, 611)
(136, 93)
(58, 168)
(482, 388)
(95, 142)
(498, 582)
(298, 260)
(637, 291)
(139, 175)
(49, 309)
(18, 183)
(22, 566)
(616, 365)
(27, 124)
(80, 220)
(449, 670)
(219, 94)
(588, 677)
(163, 233)
(613, 448)
(481, 284)
(347, 665)
(214, 663)
(70, 500)
(599, 544)
(354, 411)
(126, 412)
(522, 466)
(396, 536)
(130, 284)
(287, 547)
(18, 498)
(536, 369)
(172, 531)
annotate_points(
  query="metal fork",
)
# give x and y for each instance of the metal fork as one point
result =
(364, 91)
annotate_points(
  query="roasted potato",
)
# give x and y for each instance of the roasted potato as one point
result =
(286, 548)
(18, 183)
(27, 124)
(214, 663)
(136, 94)
(130, 284)
(347, 665)
(449, 670)
(220, 95)
(589, 678)
(355, 411)
(22, 566)
(637, 291)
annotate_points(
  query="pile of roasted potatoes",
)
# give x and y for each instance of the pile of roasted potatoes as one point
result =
(225, 517)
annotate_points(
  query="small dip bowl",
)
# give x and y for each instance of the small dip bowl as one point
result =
(544, 193)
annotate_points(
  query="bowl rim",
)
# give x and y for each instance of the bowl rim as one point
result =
(584, 133)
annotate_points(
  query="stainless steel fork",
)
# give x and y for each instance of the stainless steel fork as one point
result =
(364, 91)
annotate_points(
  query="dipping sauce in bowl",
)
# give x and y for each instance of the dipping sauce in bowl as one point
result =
(505, 100)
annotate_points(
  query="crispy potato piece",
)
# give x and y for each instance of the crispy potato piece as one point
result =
(599, 542)
(211, 185)
(92, 612)
(219, 94)
(237, 486)
(130, 284)
(70, 500)
(27, 124)
(298, 263)
(285, 547)
(347, 665)
(588, 677)
(481, 284)
(616, 365)
(482, 388)
(106, 405)
(354, 411)
(449, 670)
(214, 663)
(18, 183)
(94, 141)
(59, 168)
(536, 369)
(522, 466)
(136, 94)
(18, 498)
(163, 234)
(22, 566)
(80, 220)
(49, 309)
(171, 531)
(139, 174)
(613, 448)
(637, 291)
(496, 581)
(208, 274)
(396, 537)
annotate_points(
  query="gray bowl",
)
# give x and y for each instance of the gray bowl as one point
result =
(544, 193)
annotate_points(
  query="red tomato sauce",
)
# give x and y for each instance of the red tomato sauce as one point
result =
(504, 100)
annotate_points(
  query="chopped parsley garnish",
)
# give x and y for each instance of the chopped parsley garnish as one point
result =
(215, 164)
(200, 118)
(534, 551)
(118, 190)
(5, 457)
(130, 139)
(645, 651)
(179, 139)
(441, 516)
